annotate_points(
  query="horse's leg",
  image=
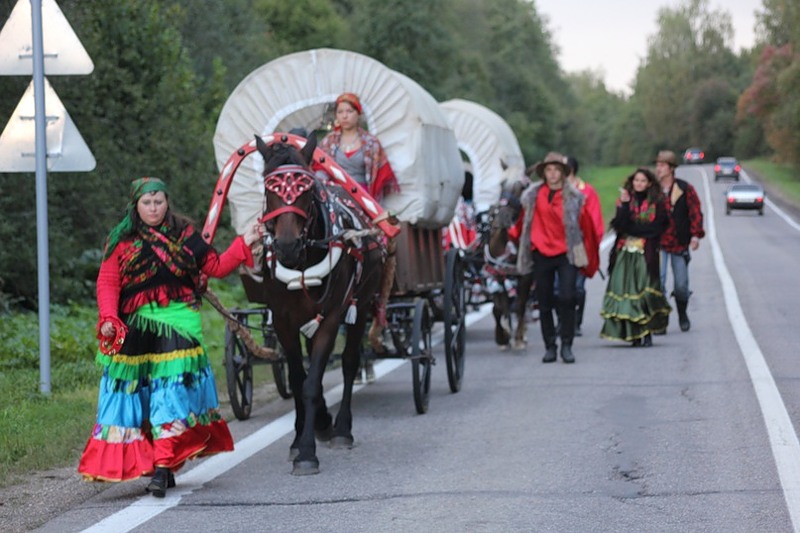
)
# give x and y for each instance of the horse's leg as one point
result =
(323, 421)
(293, 352)
(501, 335)
(342, 429)
(306, 461)
(523, 294)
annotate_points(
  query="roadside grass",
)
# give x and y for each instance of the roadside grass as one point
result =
(607, 181)
(783, 177)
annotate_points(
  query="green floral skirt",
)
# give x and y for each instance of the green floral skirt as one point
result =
(634, 304)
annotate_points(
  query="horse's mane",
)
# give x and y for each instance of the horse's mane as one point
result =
(283, 154)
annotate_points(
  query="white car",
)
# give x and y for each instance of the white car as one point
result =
(744, 196)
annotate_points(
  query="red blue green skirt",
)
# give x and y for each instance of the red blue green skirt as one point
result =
(157, 405)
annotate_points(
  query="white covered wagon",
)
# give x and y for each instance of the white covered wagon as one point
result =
(491, 146)
(297, 91)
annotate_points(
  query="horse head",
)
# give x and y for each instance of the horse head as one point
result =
(503, 215)
(288, 183)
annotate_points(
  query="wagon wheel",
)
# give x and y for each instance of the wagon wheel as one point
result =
(421, 355)
(239, 373)
(454, 319)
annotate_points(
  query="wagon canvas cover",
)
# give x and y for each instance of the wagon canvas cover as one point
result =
(490, 143)
(295, 90)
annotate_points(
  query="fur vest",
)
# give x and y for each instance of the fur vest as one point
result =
(573, 201)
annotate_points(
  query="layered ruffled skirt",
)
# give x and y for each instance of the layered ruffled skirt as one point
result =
(634, 304)
(157, 405)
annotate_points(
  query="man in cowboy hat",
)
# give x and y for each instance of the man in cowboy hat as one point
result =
(556, 235)
(683, 233)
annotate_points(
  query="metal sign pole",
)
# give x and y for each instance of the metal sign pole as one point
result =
(42, 253)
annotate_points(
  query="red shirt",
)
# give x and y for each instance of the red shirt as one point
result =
(109, 279)
(548, 234)
(594, 207)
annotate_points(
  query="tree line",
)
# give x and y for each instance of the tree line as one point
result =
(164, 68)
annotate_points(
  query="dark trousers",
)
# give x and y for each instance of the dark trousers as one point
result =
(545, 271)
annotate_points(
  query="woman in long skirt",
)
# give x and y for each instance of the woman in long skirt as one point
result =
(634, 306)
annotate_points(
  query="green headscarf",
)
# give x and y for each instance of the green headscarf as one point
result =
(139, 187)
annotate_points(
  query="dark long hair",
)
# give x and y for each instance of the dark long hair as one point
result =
(653, 190)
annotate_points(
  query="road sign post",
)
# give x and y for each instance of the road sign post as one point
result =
(22, 53)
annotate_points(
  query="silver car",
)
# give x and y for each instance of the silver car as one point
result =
(744, 196)
(727, 167)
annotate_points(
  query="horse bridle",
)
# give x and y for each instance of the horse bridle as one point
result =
(507, 199)
(288, 182)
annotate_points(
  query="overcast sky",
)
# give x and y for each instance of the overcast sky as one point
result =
(612, 35)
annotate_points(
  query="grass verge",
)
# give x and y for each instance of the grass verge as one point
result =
(40, 432)
(781, 176)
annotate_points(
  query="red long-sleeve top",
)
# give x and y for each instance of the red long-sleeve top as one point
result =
(548, 234)
(109, 280)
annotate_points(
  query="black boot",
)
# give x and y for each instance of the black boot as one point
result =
(159, 483)
(647, 341)
(551, 354)
(566, 353)
(579, 315)
(683, 319)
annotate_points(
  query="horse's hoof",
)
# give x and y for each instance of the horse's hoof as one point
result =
(305, 468)
(503, 347)
(293, 453)
(519, 345)
(341, 442)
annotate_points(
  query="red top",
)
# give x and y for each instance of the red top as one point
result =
(109, 279)
(548, 234)
(593, 207)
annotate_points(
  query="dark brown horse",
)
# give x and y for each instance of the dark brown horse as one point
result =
(322, 268)
(510, 291)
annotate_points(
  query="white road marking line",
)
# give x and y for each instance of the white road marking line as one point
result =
(782, 437)
(781, 213)
(148, 507)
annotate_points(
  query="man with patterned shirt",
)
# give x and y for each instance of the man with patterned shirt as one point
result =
(683, 233)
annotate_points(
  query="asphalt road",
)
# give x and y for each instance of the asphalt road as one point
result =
(697, 433)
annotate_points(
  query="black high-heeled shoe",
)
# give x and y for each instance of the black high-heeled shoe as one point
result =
(160, 482)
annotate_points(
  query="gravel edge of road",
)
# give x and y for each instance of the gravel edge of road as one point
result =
(43, 496)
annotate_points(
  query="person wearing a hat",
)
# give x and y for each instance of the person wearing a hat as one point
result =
(157, 405)
(556, 236)
(596, 210)
(361, 155)
(683, 233)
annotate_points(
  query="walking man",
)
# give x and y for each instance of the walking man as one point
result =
(683, 233)
(596, 212)
(556, 236)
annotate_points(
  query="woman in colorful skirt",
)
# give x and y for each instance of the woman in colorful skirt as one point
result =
(634, 306)
(157, 405)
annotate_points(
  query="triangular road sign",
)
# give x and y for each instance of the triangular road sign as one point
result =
(63, 51)
(66, 149)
